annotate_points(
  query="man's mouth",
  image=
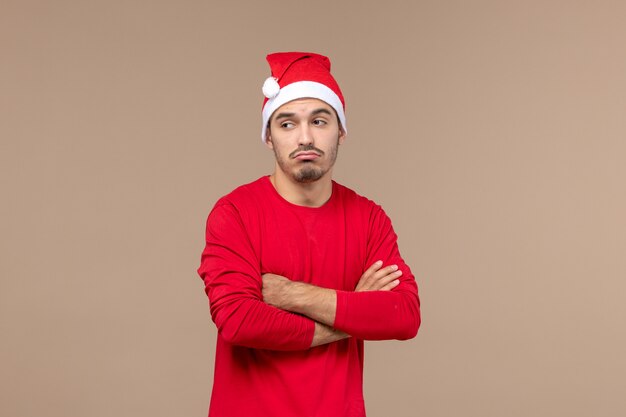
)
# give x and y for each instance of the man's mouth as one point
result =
(306, 153)
(306, 156)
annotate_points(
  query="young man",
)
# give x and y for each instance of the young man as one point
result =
(300, 270)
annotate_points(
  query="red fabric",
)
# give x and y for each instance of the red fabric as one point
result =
(291, 67)
(263, 363)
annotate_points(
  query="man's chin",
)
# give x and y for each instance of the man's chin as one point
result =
(308, 175)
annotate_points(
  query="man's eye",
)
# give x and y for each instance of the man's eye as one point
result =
(319, 122)
(286, 125)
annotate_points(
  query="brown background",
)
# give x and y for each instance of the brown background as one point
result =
(492, 132)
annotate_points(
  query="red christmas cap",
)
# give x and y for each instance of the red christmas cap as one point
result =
(300, 75)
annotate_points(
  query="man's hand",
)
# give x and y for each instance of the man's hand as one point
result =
(377, 278)
(326, 334)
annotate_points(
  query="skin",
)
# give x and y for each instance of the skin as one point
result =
(320, 304)
(298, 127)
(305, 135)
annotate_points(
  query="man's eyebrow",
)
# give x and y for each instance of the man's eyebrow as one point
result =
(318, 111)
(284, 115)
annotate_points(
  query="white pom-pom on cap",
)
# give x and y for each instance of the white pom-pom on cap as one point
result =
(271, 87)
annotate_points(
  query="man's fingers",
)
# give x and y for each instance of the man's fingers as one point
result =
(384, 281)
(372, 269)
(391, 285)
(383, 276)
(381, 273)
(377, 278)
(368, 276)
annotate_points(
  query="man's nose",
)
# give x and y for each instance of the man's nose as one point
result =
(306, 135)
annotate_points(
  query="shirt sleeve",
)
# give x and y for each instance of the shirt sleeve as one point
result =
(381, 315)
(230, 270)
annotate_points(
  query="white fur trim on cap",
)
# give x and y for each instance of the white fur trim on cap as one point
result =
(301, 89)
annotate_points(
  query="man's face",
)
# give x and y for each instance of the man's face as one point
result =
(305, 135)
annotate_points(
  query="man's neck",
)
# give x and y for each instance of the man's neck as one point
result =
(311, 194)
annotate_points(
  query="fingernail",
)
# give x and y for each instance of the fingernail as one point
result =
(396, 282)
(398, 273)
(394, 267)
(379, 262)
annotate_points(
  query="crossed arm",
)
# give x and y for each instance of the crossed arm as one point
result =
(320, 304)
(244, 307)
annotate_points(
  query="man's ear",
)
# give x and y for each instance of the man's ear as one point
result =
(342, 135)
(268, 139)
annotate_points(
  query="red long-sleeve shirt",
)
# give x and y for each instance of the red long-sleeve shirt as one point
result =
(264, 365)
